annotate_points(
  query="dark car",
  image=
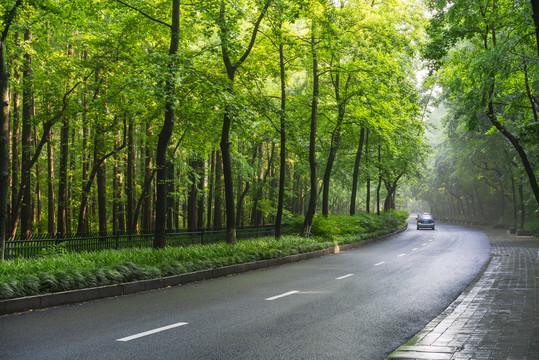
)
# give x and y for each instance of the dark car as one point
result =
(425, 221)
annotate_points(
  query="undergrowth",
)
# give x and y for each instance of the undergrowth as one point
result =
(60, 271)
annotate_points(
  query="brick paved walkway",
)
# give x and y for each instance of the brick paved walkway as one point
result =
(496, 317)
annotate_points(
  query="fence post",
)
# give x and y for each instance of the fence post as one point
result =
(202, 236)
(118, 239)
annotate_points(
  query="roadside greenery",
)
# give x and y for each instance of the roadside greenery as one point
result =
(70, 271)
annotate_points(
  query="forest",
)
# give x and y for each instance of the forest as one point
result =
(131, 115)
(484, 55)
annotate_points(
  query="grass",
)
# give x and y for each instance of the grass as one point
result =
(69, 271)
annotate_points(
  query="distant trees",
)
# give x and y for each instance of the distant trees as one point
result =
(485, 56)
(130, 98)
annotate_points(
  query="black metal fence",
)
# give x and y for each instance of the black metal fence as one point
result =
(44, 244)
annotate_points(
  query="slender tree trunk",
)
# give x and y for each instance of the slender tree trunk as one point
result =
(522, 206)
(4, 153)
(129, 189)
(239, 212)
(211, 187)
(309, 216)
(15, 142)
(200, 191)
(26, 140)
(368, 185)
(379, 180)
(101, 183)
(535, 16)
(147, 203)
(192, 213)
(170, 194)
(165, 134)
(217, 213)
(355, 176)
(62, 181)
(51, 223)
(282, 164)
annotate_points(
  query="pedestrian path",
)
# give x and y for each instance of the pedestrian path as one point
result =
(496, 317)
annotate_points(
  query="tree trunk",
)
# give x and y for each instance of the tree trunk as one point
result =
(522, 206)
(355, 176)
(4, 128)
(51, 223)
(165, 134)
(62, 181)
(170, 194)
(535, 15)
(192, 213)
(200, 191)
(282, 164)
(15, 142)
(309, 216)
(26, 141)
(379, 180)
(335, 143)
(217, 213)
(4, 153)
(211, 187)
(239, 211)
(368, 185)
(101, 183)
(147, 202)
(129, 190)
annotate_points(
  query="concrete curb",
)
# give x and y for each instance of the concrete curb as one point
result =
(43, 301)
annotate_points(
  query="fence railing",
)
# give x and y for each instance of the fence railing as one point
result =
(43, 244)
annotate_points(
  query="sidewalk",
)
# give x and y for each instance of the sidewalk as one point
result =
(496, 317)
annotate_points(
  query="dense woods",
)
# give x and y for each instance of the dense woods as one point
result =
(126, 115)
(484, 55)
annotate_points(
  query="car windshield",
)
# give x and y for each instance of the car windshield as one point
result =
(426, 217)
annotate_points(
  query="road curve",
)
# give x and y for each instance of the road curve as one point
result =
(359, 304)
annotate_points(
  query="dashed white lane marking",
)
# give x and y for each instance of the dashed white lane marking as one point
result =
(380, 263)
(146, 333)
(282, 295)
(414, 249)
(344, 277)
(401, 255)
(424, 244)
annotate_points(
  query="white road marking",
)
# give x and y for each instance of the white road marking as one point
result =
(424, 244)
(146, 333)
(401, 255)
(282, 295)
(380, 263)
(414, 249)
(344, 277)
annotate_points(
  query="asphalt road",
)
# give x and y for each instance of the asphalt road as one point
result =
(359, 304)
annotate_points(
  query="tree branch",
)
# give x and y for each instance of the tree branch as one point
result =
(143, 13)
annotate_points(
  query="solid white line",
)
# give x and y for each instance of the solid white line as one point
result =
(414, 249)
(401, 255)
(146, 333)
(380, 263)
(282, 295)
(344, 277)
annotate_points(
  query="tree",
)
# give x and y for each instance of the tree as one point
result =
(232, 67)
(5, 103)
(489, 71)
